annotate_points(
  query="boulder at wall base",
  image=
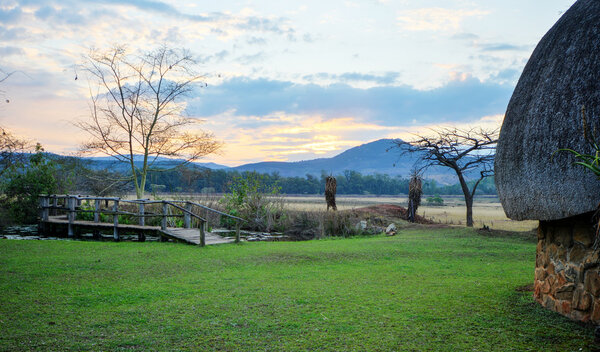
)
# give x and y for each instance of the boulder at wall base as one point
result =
(544, 115)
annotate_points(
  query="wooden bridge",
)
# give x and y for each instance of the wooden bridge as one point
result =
(72, 214)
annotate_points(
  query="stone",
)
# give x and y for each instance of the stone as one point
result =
(593, 258)
(544, 114)
(549, 302)
(560, 279)
(584, 234)
(540, 274)
(596, 312)
(578, 253)
(571, 273)
(563, 236)
(564, 307)
(582, 300)
(361, 225)
(545, 287)
(565, 292)
(552, 250)
(592, 282)
(561, 254)
(537, 290)
(391, 229)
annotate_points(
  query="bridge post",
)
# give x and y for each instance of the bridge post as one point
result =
(116, 219)
(97, 210)
(45, 207)
(71, 215)
(187, 218)
(54, 204)
(163, 223)
(142, 212)
(44, 201)
(202, 233)
(237, 231)
(96, 232)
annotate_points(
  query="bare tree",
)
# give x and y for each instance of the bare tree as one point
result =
(12, 148)
(137, 109)
(463, 151)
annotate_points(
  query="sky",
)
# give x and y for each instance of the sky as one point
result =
(287, 80)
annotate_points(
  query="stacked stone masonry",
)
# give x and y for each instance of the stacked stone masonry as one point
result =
(567, 273)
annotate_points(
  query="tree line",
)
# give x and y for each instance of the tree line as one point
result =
(194, 180)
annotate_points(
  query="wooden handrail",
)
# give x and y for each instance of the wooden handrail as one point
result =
(72, 202)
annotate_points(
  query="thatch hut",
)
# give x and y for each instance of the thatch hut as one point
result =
(544, 115)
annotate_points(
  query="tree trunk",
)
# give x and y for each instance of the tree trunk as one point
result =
(468, 197)
(469, 204)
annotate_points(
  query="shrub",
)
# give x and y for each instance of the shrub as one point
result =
(24, 182)
(435, 200)
(251, 199)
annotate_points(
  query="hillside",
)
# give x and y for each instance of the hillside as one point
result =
(369, 158)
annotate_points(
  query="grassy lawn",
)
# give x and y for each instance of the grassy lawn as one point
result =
(422, 290)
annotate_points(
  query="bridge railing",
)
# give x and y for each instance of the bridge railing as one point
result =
(52, 205)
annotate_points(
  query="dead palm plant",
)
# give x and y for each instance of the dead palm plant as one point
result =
(415, 190)
(330, 190)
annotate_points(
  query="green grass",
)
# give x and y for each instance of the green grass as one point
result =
(422, 290)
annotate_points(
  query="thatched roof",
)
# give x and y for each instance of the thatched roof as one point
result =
(544, 114)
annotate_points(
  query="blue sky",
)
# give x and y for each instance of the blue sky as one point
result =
(286, 80)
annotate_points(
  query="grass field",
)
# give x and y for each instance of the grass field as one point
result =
(487, 210)
(425, 289)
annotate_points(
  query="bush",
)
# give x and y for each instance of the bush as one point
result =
(24, 182)
(311, 225)
(435, 200)
(249, 198)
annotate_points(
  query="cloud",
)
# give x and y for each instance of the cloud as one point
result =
(381, 79)
(435, 19)
(504, 47)
(256, 41)
(459, 100)
(10, 51)
(252, 58)
(465, 36)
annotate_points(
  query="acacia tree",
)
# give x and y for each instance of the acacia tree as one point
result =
(463, 150)
(137, 109)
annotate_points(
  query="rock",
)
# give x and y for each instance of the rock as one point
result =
(596, 313)
(581, 300)
(578, 253)
(565, 292)
(391, 229)
(544, 114)
(540, 274)
(361, 225)
(592, 282)
(584, 234)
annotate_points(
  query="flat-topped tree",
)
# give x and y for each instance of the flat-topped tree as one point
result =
(137, 109)
(463, 150)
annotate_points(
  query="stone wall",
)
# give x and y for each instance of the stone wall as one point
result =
(567, 269)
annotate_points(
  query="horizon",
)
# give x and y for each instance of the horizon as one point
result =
(285, 82)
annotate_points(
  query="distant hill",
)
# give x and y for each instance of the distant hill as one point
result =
(107, 162)
(378, 156)
(369, 158)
